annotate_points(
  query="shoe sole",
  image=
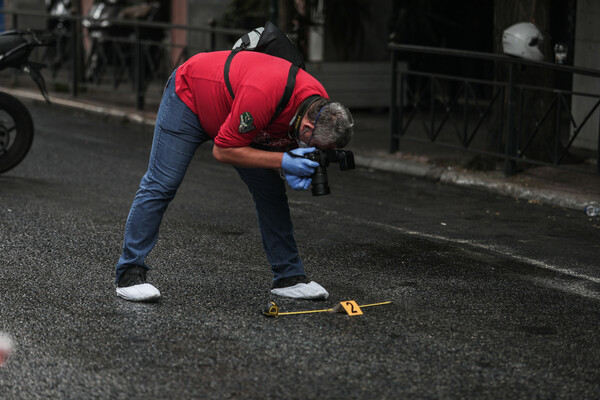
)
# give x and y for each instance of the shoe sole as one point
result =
(140, 293)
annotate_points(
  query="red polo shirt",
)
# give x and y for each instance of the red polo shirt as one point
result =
(258, 81)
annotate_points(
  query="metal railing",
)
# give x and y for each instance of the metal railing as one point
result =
(81, 59)
(495, 118)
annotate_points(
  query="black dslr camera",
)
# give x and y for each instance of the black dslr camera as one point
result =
(319, 178)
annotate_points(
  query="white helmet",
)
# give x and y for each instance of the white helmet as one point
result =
(523, 40)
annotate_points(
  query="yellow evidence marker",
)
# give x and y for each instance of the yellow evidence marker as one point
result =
(350, 307)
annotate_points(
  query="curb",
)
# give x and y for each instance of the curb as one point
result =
(477, 180)
(73, 104)
(413, 168)
(542, 195)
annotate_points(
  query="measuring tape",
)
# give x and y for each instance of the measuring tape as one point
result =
(350, 307)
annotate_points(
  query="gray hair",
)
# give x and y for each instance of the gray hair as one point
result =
(333, 122)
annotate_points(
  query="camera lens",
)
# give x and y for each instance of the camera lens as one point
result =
(319, 182)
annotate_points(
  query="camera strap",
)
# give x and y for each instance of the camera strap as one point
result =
(295, 122)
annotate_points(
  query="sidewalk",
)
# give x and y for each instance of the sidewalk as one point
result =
(547, 185)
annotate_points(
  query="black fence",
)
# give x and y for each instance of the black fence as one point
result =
(114, 53)
(505, 118)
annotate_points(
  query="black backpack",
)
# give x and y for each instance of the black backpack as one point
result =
(273, 41)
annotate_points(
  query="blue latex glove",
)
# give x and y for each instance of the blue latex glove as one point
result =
(298, 182)
(298, 166)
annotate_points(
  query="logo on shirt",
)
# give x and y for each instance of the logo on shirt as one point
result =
(246, 122)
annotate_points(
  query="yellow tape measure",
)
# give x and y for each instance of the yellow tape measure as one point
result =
(350, 307)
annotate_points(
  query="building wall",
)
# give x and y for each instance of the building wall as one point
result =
(587, 54)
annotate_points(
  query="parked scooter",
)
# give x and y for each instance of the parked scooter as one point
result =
(102, 31)
(112, 44)
(61, 26)
(16, 124)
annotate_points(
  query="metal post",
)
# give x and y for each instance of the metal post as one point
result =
(432, 108)
(497, 143)
(274, 12)
(75, 57)
(465, 115)
(15, 72)
(556, 159)
(394, 141)
(510, 165)
(139, 70)
(598, 145)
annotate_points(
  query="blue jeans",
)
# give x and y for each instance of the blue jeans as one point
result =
(177, 135)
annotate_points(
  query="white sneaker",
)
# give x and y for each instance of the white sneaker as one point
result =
(141, 292)
(308, 291)
(132, 285)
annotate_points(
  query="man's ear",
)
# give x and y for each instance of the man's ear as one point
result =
(306, 122)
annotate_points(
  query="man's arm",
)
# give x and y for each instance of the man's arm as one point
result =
(248, 157)
(291, 163)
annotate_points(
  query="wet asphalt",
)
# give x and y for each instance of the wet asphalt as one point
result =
(492, 297)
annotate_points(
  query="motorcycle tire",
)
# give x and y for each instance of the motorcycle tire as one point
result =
(16, 132)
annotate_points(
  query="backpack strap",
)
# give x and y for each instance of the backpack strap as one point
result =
(226, 71)
(287, 93)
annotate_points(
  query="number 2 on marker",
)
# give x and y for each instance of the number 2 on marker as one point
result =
(351, 307)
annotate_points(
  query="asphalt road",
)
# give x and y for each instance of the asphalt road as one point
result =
(492, 298)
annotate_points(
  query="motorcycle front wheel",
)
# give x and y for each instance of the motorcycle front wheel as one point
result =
(16, 132)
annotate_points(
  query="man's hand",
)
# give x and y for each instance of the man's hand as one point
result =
(298, 166)
(298, 182)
